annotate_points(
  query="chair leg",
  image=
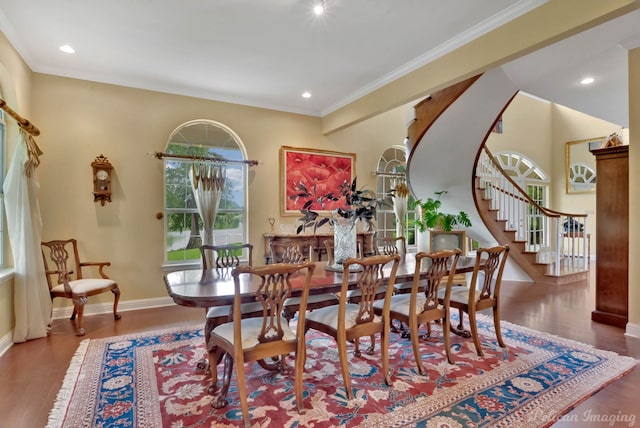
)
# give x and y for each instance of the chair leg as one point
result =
(298, 381)
(242, 391)
(496, 327)
(415, 339)
(116, 299)
(344, 365)
(220, 399)
(384, 338)
(460, 319)
(474, 333)
(446, 326)
(372, 348)
(78, 310)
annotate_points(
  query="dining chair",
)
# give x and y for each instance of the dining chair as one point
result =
(483, 292)
(266, 337)
(352, 321)
(282, 252)
(287, 252)
(226, 256)
(391, 245)
(422, 306)
(66, 278)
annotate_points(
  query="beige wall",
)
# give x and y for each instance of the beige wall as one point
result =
(81, 120)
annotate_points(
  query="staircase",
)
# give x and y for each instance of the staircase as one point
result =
(446, 152)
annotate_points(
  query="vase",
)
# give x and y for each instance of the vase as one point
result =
(345, 242)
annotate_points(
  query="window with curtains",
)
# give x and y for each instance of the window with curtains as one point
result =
(390, 170)
(184, 226)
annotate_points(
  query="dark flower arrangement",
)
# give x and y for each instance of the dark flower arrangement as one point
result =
(359, 205)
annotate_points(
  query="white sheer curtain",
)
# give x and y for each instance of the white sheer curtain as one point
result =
(207, 182)
(32, 301)
(400, 200)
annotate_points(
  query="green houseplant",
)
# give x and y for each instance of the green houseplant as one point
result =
(432, 217)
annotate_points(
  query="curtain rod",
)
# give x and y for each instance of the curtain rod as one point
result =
(160, 155)
(22, 122)
(389, 174)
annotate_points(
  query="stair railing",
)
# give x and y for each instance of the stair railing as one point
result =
(558, 239)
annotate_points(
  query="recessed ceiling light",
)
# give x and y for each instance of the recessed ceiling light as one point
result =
(306, 94)
(320, 7)
(587, 80)
(67, 49)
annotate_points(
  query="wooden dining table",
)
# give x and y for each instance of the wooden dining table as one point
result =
(205, 288)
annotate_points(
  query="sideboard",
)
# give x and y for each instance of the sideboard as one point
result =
(314, 244)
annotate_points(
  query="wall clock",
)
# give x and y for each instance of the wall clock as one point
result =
(102, 171)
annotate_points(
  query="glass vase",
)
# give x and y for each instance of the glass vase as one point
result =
(345, 239)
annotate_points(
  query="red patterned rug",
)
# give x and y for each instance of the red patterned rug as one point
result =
(151, 380)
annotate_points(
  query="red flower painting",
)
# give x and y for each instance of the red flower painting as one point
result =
(319, 172)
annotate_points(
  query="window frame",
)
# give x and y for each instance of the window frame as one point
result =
(176, 139)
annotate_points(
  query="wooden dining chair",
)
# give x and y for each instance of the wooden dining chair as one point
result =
(421, 306)
(292, 253)
(67, 277)
(226, 256)
(482, 293)
(352, 321)
(255, 339)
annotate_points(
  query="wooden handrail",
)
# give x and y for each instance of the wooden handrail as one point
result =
(22, 122)
(523, 195)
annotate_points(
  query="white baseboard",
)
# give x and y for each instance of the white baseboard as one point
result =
(6, 341)
(632, 330)
(107, 308)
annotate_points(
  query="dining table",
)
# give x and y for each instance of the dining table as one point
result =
(205, 288)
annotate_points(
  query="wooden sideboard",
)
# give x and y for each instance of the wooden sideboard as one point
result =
(612, 235)
(313, 244)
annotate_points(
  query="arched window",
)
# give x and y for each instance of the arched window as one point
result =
(391, 168)
(532, 179)
(183, 225)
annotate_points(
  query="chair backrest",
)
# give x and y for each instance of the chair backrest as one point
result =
(487, 273)
(61, 261)
(275, 287)
(431, 268)
(222, 256)
(286, 252)
(389, 246)
(370, 279)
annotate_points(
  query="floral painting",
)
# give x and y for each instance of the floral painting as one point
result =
(316, 172)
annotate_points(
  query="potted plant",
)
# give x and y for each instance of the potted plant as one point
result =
(433, 218)
(359, 205)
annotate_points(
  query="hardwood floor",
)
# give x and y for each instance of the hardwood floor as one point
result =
(31, 373)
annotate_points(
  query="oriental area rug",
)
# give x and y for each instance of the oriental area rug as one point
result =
(152, 379)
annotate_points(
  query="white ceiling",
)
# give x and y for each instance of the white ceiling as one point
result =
(265, 53)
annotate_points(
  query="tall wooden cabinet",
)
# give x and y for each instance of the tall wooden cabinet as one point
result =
(612, 235)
